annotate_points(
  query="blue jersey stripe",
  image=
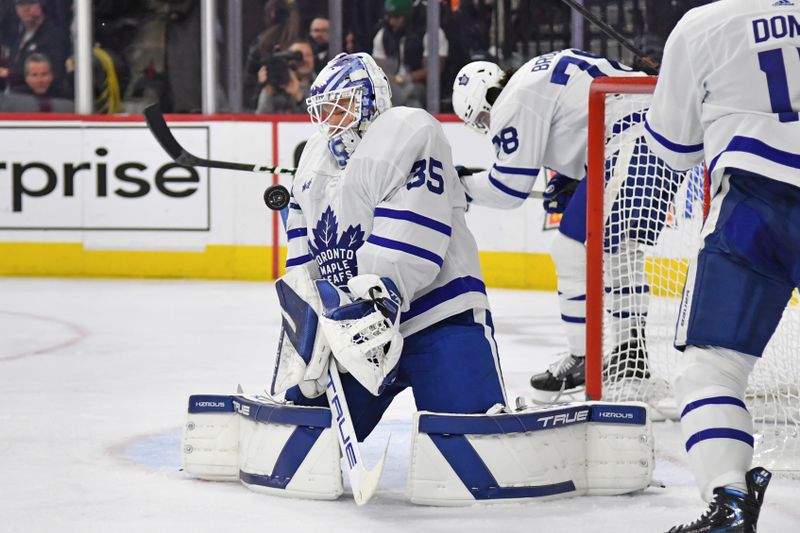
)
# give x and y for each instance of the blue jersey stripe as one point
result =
(296, 232)
(673, 146)
(719, 433)
(298, 260)
(507, 190)
(407, 248)
(293, 205)
(758, 148)
(416, 218)
(577, 298)
(517, 170)
(442, 294)
(716, 400)
(573, 319)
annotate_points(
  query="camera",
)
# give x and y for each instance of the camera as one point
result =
(277, 64)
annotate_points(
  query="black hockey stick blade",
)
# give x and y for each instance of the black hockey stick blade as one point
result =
(158, 127)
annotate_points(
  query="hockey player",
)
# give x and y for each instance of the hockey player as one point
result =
(383, 281)
(537, 117)
(377, 210)
(729, 92)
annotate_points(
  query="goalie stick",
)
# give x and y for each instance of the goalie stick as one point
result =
(614, 34)
(363, 481)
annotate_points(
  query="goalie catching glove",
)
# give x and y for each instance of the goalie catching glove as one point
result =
(363, 329)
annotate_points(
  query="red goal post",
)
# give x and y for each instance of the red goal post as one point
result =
(595, 222)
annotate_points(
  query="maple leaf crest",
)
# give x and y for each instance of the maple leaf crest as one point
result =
(352, 238)
(326, 235)
(326, 232)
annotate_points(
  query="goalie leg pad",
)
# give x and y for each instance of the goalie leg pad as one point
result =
(271, 448)
(210, 440)
(592, 448)
(288, 450)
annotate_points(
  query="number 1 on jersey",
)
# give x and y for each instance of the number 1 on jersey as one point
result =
(771, 63)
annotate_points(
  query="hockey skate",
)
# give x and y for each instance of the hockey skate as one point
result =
(628, 359)
(732, 511)
(627, 377)
(563, 381)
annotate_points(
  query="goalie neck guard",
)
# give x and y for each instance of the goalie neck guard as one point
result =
(345, 98)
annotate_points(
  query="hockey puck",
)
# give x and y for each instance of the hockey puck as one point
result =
(276, 197)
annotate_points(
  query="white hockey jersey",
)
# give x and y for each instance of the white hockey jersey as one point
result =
(396, 210)
(729, 90)
(540, 120)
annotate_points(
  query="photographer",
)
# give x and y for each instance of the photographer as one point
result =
(286, 79)
(281, 29)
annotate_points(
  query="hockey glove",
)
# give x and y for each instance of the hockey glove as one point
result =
(363, 329)
(558, 193)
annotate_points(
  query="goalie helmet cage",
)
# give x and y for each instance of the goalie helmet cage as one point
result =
(633, 294)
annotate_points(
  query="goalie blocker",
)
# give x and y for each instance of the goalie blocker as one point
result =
(576, 449)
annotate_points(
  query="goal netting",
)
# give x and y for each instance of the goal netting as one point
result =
(643, 229)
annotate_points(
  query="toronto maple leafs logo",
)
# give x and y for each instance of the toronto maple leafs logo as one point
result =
(463, 79)
(335, 255)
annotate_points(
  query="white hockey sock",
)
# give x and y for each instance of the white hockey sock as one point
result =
(627, 291)
(569, 257)
(716, 426)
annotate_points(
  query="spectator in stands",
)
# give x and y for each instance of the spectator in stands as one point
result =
(39, 94)
(39, 77)
(400, 48)
(289, 96)
(319, 32)
(282, 28)
(38, 34)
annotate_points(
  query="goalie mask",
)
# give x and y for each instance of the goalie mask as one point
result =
(345, 98)
(472, 83)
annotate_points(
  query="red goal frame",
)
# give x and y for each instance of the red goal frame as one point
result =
(595, 220)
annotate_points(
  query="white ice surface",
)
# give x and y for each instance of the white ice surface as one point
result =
(95, 376)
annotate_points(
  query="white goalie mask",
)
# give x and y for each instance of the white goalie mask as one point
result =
(469, 93)
(345, 98)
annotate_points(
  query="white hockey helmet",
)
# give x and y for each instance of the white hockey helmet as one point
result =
(345, 98)
(469, 93)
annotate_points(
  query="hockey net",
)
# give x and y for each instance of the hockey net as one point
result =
(634, 286)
